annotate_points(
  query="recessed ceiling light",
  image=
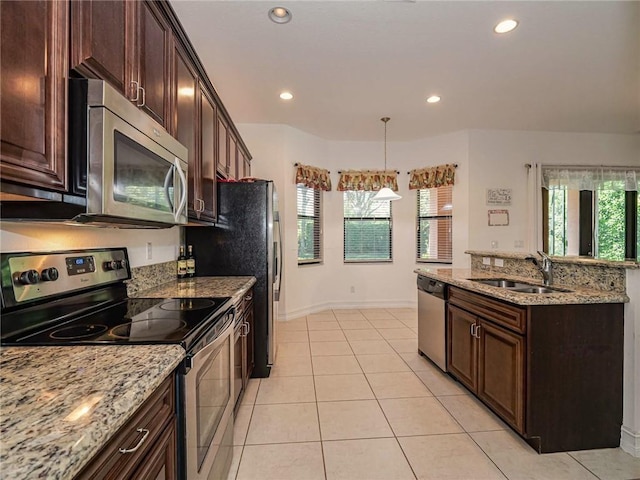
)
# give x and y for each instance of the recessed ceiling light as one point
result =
(286, 95)
(433, 99)
(279, 15)
(505, 26)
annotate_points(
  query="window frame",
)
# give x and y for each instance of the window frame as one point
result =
(346, 219)
(419, 218)
(317, 221)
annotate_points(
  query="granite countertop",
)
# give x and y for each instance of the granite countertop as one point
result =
(234, 287)
(576, 295)
(42, 388)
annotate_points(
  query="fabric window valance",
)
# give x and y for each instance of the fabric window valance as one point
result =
(432, 177)
(368, 180)
(313, 177)
(591, 178)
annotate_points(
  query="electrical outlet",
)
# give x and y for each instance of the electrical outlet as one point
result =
(518, 244)
(494, 244)
(498, 262)
(149, 251)
(486, 260)
(353, 289)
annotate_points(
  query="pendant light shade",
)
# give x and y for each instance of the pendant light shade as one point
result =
(385, 193)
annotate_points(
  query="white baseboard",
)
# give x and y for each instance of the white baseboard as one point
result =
(301, 312)
(630, 441)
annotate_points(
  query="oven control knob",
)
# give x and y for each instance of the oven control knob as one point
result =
(28, 277)
(49, 274)
(115, 265)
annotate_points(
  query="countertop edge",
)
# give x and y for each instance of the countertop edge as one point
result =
(461, 278)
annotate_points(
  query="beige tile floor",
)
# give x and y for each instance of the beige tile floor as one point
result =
(349, 398)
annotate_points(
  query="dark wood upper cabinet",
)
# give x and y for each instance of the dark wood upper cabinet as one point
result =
(207, 190)
(233, 156)
(33, 86)
(223, 147)
(185, 121)
(152, 62)
(102, 40)
(127, 44)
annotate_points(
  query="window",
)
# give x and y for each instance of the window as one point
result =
(367, 228)
(596, 218)
(309, 227)
(434, 225)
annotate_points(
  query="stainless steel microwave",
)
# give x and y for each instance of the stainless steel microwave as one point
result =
(130, 170)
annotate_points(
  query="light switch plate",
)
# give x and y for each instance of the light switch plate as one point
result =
(486, 260)
(499, 262)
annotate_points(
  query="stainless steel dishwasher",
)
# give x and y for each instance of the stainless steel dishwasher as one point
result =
(431, 320)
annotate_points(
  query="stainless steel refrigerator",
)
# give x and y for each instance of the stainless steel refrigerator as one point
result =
(246, 241)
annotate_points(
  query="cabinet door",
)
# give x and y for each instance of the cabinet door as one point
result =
(186, 121)
(153, 57)
(33, 62)
(501, 372)
(207, 158)
(101, 39)
(238, 357)
(250, 336)
(233, 156)
(161, 462)
(223, 147)
(462, 347)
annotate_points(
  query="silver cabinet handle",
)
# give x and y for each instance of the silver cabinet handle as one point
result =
(136, 86)
(144, 98)
(248, 298)
(477, 335)
(144, 437)
(472, 329)
(248, 328)
(201, 204)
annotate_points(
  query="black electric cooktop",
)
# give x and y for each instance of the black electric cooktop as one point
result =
(130, 321)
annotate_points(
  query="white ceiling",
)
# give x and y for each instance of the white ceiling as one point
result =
(569, 67)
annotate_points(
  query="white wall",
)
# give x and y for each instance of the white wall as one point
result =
(22, 237)
(275, 150)
(498, 158)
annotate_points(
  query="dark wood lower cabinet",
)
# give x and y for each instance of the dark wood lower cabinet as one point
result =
(149, 439)
(552, 372)
(243, 351)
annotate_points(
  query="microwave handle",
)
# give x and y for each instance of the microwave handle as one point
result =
(167, 183)
(183, 188)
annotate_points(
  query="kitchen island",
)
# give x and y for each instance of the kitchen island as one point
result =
(549, 364)
(59, 406)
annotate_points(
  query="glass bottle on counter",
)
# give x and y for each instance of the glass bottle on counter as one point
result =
(191, 263)
(182, 263)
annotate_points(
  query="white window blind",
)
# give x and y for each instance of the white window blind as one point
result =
(367, 228)
(434, 225)
(309, 225)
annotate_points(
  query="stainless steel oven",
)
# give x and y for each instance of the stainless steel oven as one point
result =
(129, 168)
(208, 404)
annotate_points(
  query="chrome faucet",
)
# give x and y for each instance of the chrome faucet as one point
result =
(545, 267)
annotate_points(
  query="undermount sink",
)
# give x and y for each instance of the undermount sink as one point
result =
(519, 286)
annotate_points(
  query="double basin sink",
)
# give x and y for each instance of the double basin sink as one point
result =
(519, 286)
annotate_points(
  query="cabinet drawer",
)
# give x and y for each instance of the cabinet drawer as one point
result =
(152, 416)
(245, 303)
(499, 312)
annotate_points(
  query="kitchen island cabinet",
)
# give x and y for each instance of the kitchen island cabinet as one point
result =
(243, 352)
(552, 372)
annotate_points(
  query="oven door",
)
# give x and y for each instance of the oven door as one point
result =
(209, 406)
(131, 175)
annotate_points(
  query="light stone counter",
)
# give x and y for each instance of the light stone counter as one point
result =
(234, 287)
(42, 388)
(576, 295)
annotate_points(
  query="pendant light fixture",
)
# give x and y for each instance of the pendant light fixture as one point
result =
(385, 193)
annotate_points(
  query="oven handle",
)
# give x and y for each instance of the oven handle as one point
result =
(212, 347)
